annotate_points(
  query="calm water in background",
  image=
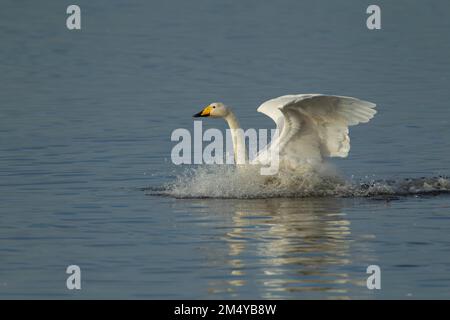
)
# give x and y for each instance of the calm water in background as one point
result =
(85, 123)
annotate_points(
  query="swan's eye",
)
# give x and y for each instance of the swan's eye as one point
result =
(214, 107)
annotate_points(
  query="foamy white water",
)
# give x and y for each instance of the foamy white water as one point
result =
(246, 182)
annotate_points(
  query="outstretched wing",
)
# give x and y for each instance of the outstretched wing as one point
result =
(313, 126)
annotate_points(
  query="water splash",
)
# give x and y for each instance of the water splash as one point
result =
(246, 182)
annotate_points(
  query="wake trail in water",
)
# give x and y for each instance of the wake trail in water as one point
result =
(247, 183)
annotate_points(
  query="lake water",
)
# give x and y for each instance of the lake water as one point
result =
(86, 118)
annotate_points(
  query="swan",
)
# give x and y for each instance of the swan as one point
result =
(310, 127)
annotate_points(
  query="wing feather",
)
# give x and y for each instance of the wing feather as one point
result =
(312, 126)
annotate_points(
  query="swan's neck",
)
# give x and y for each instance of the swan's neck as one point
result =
(237, 135)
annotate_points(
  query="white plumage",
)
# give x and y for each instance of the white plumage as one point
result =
(312, 126)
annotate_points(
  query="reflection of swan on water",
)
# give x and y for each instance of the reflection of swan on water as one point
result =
(283, 246)
(311, 127)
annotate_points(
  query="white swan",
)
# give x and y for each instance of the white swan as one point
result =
(310, 127)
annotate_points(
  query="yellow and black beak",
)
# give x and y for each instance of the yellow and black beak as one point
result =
(204, 113)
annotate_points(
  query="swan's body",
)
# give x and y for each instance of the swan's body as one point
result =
(310, 127)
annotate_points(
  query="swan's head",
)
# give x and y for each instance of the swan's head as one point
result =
(214, 110)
